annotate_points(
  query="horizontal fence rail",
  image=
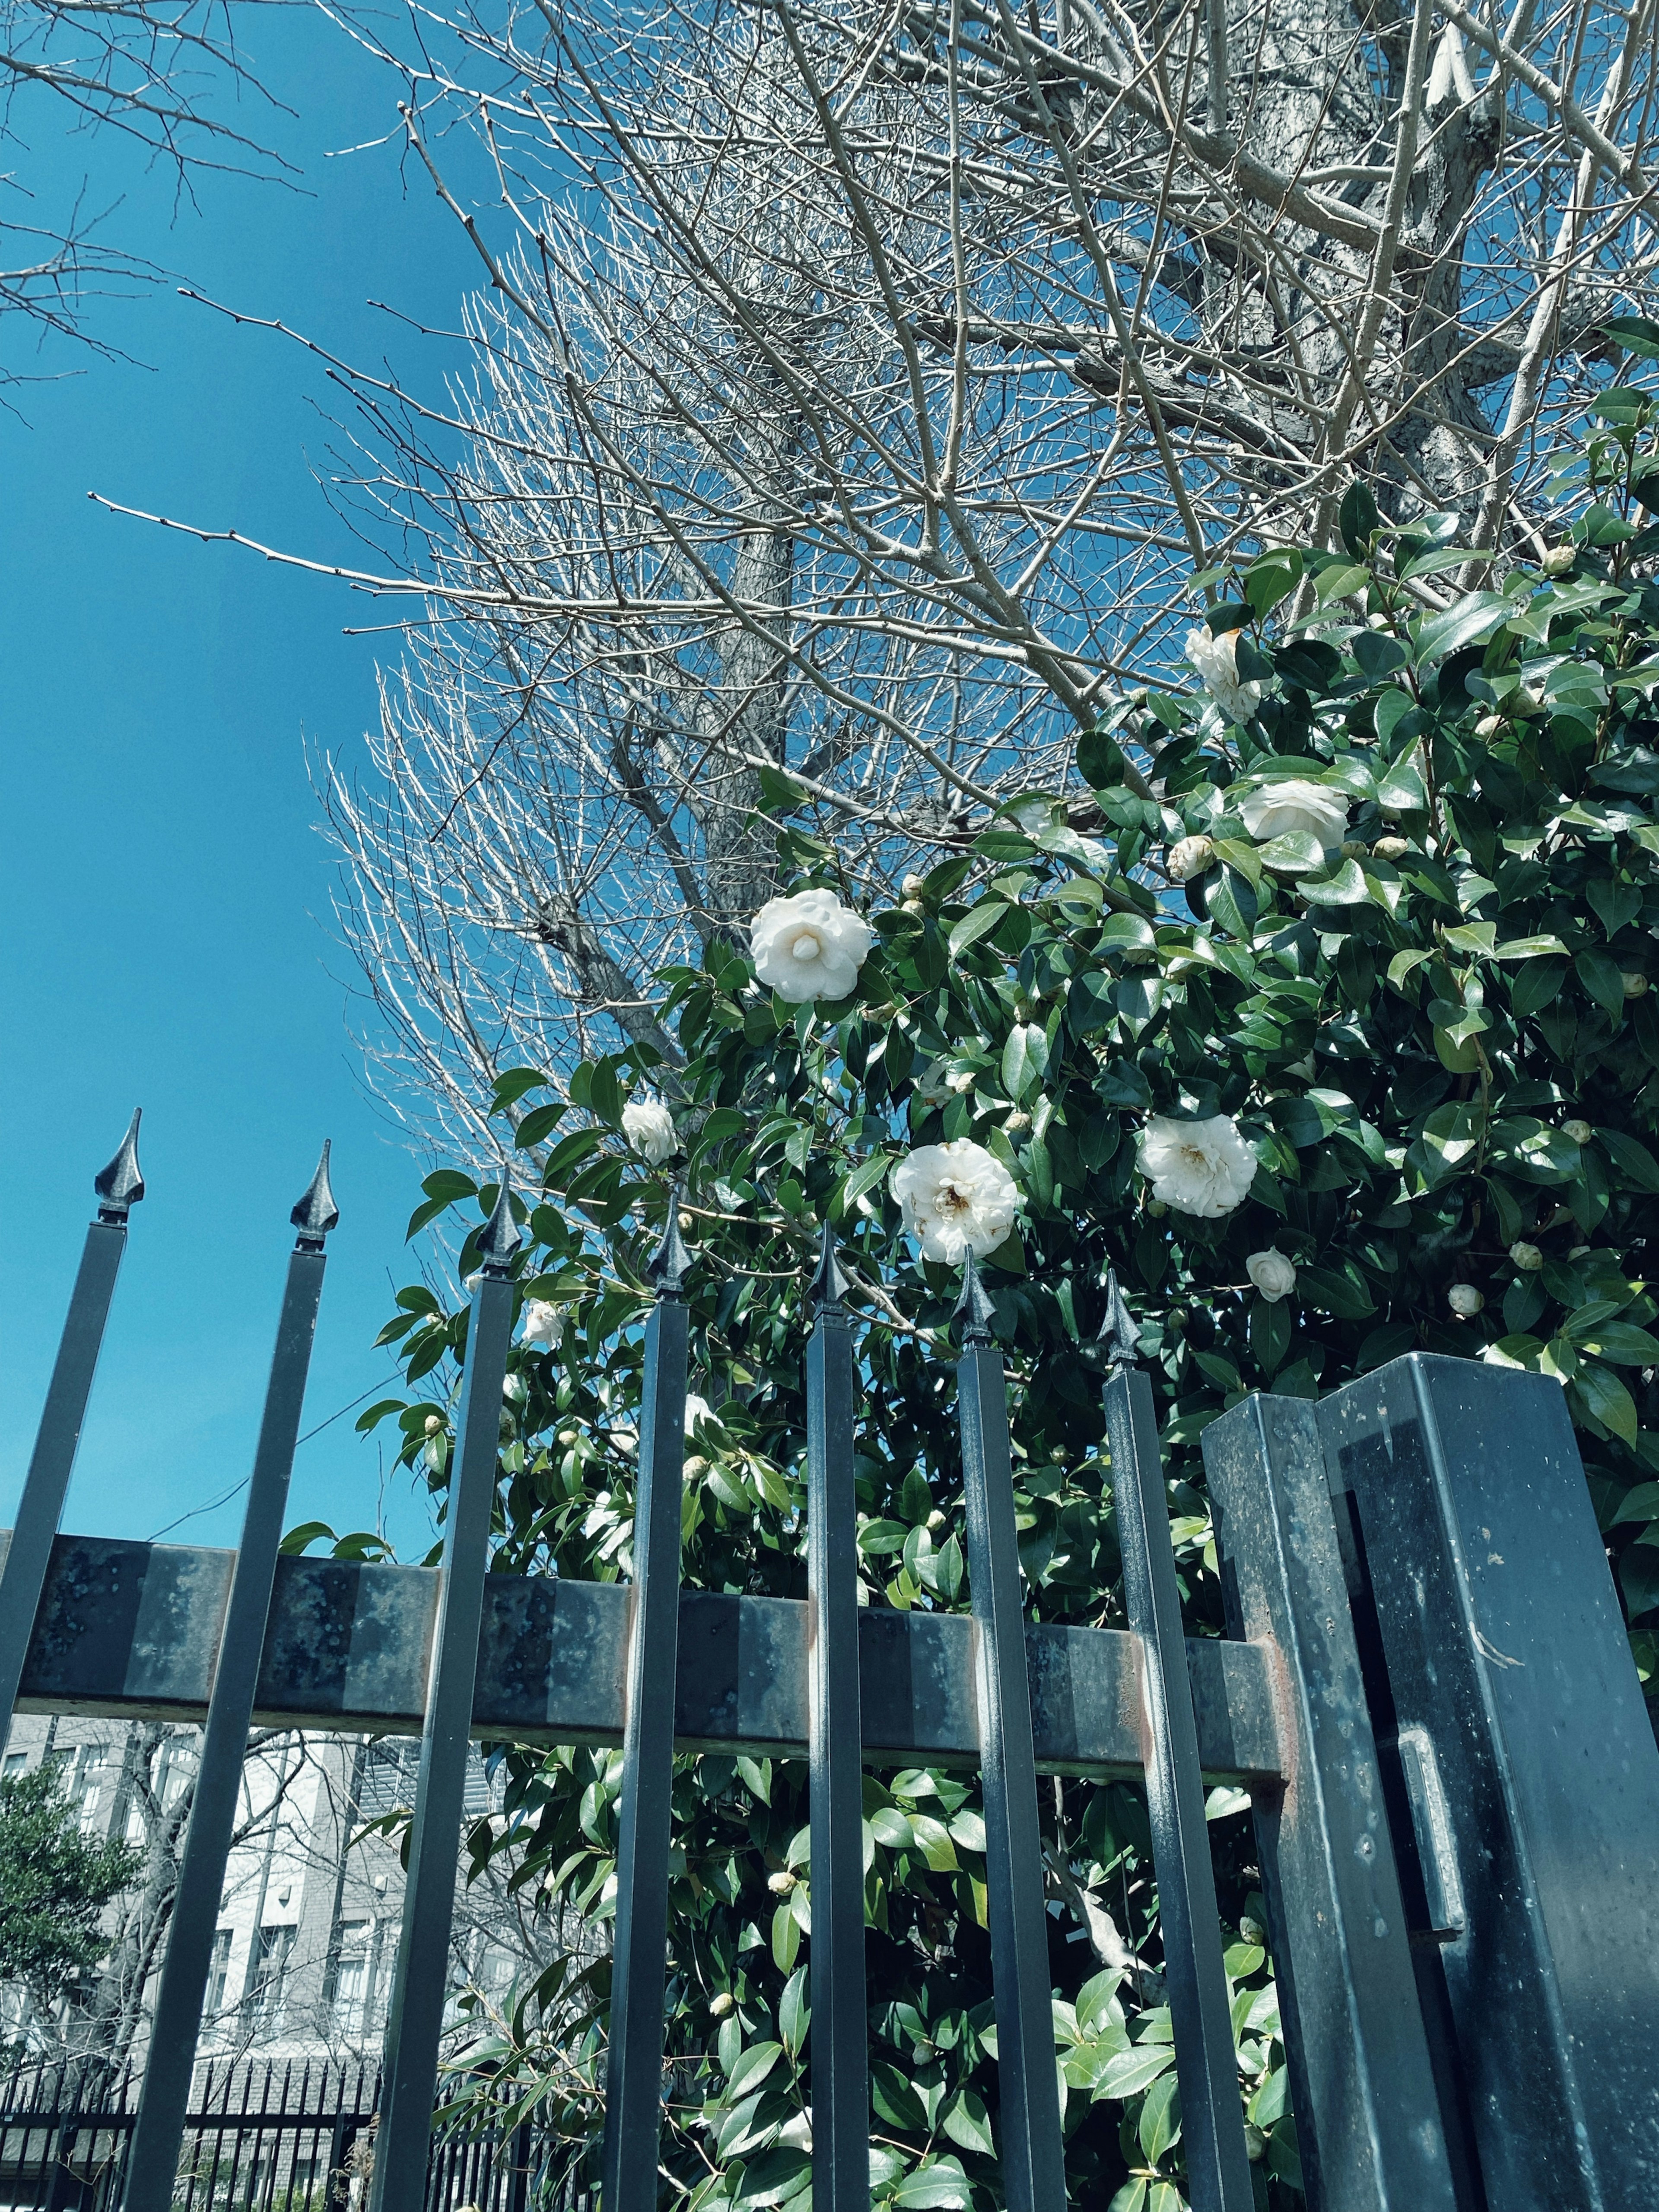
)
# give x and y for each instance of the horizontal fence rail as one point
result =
(128, 1631)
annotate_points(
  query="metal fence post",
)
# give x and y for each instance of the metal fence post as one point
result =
(23, 1573)
(1368, 2116)
(1213, 2120)
(840, 2027)
(165, 2099)
(639, 1968)
(1033, 2154)
(419, 1979)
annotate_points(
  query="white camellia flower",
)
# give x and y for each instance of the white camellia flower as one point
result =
(1215, 660)
(1205, 1168)
(957, 1198)
(1273, 1275)
(1189, 857)
(544, 1322)
(809, 947)
(1527, 1257)
(1276, 809)
(649, 1127)
(1464, 1300)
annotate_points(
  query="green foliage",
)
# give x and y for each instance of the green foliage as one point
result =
(1437, 1038)
(54, 1885)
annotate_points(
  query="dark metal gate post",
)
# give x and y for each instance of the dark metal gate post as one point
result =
(1368, 2116)
(23, 1572)
(159, 2130)
(638, 1967)
(1033, 2154)
(419, 1979)
(841, 2020)
(1528, 1767)
(1213, 2119)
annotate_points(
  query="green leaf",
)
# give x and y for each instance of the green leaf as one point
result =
(934, 1839)
(858, 1179)
(932, 2185)
(1127, 932)
(1473, 937)
(302, 1538)
(1160, 2118)
(786, 1938)
(979, 921)
(374, 1416)
(1271, 577)
(1137, 2069)
(1297, 853)
(1608, 1398)
(1523, 948)
(1634, 1160)
(539, 1123)
(779, 2176)
(1622, 1342)
(512, 1085)
(895, 2099)
(965, 2120)
(1599, 973)
(968, 1827)
(1099, 760)
(1468, 619)
(1024, 1060)
(1356, 518)
(795, 2011)
(1532, 990)
(751, 2069)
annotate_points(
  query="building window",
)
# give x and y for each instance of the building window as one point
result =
(87, 1786)
(267, 1986)
(218, 1973)
(15, 1762)
(351, 1972)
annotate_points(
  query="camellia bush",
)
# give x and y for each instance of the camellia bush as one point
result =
(1318, 1009)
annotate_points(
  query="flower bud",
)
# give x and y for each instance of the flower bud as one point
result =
(719, 2004)
(694, 1468)
(1464, 1300)
(433, 1425)
(1489, 726)
(1156, 1208)
(1559, 560)
(913, 906)
(912, 887)
(1273, 1275)
(1527, 1257)
(781, 1883)
(1391, 848)
(567, 1437)
(1635, 985)
(1352, 849)
(1579, 1132)
(1189, 857)
(935, 1521)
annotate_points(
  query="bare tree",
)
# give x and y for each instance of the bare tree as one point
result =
(143, 71)
(857, 390)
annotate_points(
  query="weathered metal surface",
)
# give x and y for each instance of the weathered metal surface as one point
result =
(158, 2129)
(129, 1631)
(27, 1557)
(1530, 1771)
(1368, 2114)
(1212, 2125)
(1033, 2151)
(840, 2019)
(639, 1970)
(420, 1977)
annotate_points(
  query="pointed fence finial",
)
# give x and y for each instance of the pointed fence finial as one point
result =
(828, 1286)
(121, 1184)
(668, 1264)
(1118, 1339)
(316, 1212)
(974, 1309)
(501, 1238)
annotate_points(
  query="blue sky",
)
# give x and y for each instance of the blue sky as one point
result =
(166, 941)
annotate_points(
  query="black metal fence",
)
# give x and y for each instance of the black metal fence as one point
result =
(1426, 1686)
(294, 2136)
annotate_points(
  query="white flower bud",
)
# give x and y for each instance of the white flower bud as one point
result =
(809, 947)
(912, 887)
(433, 1425)
(1464, 1300)
(544, 1322)
(960, 1080)
(649, 1127)
(935, 1521)
(1273, 1275)
(781, 1883)
(1293, 803)
(1215, 660)
(1635, 984)
(1205, 1168)
(1489, 726)
(1559, 560)
(1527, 1257)
(719, 2004)
(957, 1198)
(1580, 1132)
(1391, 848)
(1189, 857)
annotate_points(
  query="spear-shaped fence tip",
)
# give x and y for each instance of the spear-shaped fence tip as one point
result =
(121, 1184)
(974, 1309)
(316, 1212)
(828, 1286)
(501, 1238)
(1118, 1339)
(667, 1268)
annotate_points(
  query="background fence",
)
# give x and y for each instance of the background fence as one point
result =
(276, 2137)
